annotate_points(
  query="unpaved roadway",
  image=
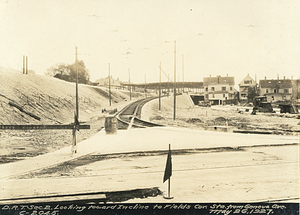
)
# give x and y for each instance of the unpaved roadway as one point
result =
(246, 174)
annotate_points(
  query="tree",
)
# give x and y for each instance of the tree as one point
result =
(252, 92)
(59, 68)
(67, 72)
(83, 73)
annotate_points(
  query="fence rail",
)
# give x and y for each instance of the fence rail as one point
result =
(44, 127)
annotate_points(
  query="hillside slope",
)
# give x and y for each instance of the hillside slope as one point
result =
(50, 99)
(53, 102)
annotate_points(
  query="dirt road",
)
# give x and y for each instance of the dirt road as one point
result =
(246, 174)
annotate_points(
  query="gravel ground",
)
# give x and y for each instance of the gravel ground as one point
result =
(264, 172)
(188, 115)
(18, 145)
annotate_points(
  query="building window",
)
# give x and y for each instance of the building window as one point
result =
(275, 91)
(212, 89)
(223, 88)
(283, 97)
(230, 88)
(267, 90)
(286, 90)
(223, 95)
(213, 95)
(206, 96)
(248, 82)
(206, 89)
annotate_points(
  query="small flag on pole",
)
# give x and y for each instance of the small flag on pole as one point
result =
(168, 173)
(168, 170)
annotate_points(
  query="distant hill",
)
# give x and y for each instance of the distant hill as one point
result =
(50, 99)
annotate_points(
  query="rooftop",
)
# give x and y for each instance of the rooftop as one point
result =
(279, 83)
(218, 80)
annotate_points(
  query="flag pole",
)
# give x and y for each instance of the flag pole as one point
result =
(169, 182)
(168, 173)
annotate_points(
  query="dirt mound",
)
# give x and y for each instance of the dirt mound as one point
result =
(220, 119)
(157, 118)
(194, 120)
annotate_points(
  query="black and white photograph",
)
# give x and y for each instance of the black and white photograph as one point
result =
(149, 107)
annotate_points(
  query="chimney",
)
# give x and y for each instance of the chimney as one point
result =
(227, 75)
(209, 75)
(277, 76)
(292, 77)
(23, 64)
(265, 77)
(283, 77)
(26, 64)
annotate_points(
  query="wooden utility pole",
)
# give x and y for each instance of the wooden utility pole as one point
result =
(145, 87)
(76, 117)
(159, 93)
(129, 84)
(182, 74)
(178, 85)
(77, 110)
(174, 116)
(109, 84)
(168, 85)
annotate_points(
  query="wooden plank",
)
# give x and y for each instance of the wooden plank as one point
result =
(41, 127)
(62, 199)
(22, 110)
(251, 132)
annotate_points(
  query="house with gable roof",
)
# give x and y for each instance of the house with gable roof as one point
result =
(104, 82)
(276, 90)
(219, 90)
(244, 87)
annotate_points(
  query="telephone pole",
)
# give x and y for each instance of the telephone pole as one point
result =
(174, 116)
(168, 85)
(145, 87)
(182, 74)
(109, 84)
(77, 110)
(129, 84)
(159, 93)
(76, 117)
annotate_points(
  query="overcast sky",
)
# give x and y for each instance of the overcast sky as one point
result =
(216, 37)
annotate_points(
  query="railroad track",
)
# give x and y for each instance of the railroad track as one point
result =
(130, 116)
